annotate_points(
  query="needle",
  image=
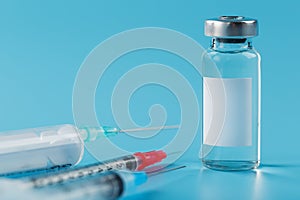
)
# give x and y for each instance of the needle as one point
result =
(149, 128)
(92, 133)
(159, 171)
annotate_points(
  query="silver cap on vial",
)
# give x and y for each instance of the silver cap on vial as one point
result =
(231, 27)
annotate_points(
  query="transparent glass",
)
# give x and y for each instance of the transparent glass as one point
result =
(235, 59)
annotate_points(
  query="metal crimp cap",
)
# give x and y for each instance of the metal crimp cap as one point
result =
(231, 27)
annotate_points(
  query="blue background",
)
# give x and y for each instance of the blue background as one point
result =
(44, 43)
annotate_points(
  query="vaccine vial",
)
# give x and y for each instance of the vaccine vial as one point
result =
(231, 95)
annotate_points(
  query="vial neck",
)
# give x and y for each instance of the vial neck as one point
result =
(231, 44)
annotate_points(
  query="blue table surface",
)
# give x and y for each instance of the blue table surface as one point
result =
(278, 180)
(274, 179)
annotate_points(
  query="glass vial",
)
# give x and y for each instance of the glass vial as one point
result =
(231, 95)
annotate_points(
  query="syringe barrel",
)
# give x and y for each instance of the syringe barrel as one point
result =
(39, 148)
(108, 186)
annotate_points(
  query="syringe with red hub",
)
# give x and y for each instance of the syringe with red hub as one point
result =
(134, 162)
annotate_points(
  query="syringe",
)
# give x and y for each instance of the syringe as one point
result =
(137, 161)
(110, 185)
(49, 147)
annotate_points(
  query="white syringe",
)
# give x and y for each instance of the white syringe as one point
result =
(50, 147)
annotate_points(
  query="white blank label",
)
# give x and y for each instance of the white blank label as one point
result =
(227, 107)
